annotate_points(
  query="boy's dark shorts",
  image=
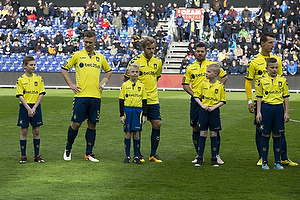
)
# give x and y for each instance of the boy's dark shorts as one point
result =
(24, 119)
(133, 118)
(194, 112)
(209, 120)
(272, 119)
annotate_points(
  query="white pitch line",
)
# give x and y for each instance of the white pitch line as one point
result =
(292, 120)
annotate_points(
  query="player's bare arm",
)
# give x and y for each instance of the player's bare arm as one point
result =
(37, 103)
(224, 79)
(104, 81)
(210, 109)
(29, 110)
(188, 89)
(286, 110)
(76, 89)
(258, 115)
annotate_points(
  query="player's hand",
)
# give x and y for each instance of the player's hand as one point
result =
(101, 89)
(205, 107)
(122, 119)
(258, 117)
(286, 117)
(210, 109)
(251, 107)
(144, 119)
(31, 113)
(76, 89)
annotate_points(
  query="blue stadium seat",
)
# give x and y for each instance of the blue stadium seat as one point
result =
(122, 69)
(114, 69)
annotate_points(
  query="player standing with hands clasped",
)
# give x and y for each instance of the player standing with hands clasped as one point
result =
(210, 95)
(133, 111)
(195, 74)
(150, 72)
(87, 100)
(30, 90)
(272, 111)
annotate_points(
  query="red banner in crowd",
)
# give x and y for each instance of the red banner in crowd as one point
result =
(170, 81)
(187, 14)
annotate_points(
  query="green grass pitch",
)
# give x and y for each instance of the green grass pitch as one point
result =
(175, 178)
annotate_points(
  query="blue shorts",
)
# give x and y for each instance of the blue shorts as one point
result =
(153, 112)
(24, 119)
(86, 108)
(133, 118)
(272, 119)
(209, 120)
(194, 112)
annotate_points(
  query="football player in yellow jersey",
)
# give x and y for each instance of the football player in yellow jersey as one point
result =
(133, 111)
(210, 95)
(256, 69)
(30, 90)
(195, 74)
(272, 94)
(87, 101)
(150, 72)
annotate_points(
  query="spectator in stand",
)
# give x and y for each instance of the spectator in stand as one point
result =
(184, 63)
(191, 28)
(88, 8)
(232, 12)
(234, 68)
(254, 50)
(105, 24)
(191, 49)
(59, 50)
(48, 23)
(109, 17)
(117, 22)
(24, 50)
(226, 5)
(7, 48)
(40, 22)
(284, 67)
(235, 29)
(179, 21)
(22, 27)
(205, 5)
(243, 32)
(238, 51)
(292, 18)
(152, 33)
(152, 22)
(161, 33)
(226, 16)
(226, 63)
(17, 38)
(124, 60)
(4, 23)
(100, 18)
(231, 46)
(52, 49)
(130, 23)
(96, 9)
(292, 68)
(116, 63)
(59, 38)
(57, 12)
(283, 6)
(169, 10)
(115, 8)
(224, 44)
(105, 7)
(221, 55)
(213, 21)
(246, 14)
(227, 30)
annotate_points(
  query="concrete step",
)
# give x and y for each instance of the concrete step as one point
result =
(171, 66)
(170, 71)
(176, 55)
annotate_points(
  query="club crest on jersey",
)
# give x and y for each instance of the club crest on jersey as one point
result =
(98, 59)
(216, 91)
(81, 65)
(155, 66)
(35, 83)
(280, 84)
(139, 88)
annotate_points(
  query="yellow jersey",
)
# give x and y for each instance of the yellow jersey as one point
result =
(211, 94)
(87, 72)
(257, 67)
(133, 93)
(30, 88)
(272, 90)
(195, 73)
(150, 71)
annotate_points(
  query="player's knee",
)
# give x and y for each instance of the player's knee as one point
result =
(75, 126)
(36, 132)
(156, 124)
(24, 132)
(91, 125)
(195, 129)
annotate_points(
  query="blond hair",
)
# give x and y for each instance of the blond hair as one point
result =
(214, 67)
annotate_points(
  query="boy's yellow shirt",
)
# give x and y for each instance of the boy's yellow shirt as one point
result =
(30, 88)
(133, 93)
(211, 94)
(272, 90)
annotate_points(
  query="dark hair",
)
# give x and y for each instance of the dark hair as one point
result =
(264, 36)
(89, 34)
(271, 60)
(201, 44)
(26, 59)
